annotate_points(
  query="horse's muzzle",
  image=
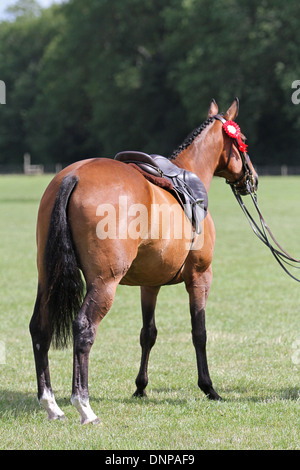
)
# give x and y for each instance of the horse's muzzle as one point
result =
(248, 184)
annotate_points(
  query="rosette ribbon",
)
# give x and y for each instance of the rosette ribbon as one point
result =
(233, 130)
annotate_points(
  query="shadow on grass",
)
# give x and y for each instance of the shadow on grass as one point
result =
(14, 404)
(154, 399)
(241, 394)
(157, 396)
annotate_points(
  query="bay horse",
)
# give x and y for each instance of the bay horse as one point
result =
(79, 271)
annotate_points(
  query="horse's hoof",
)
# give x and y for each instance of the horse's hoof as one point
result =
(62, 418)
(97, 422)
(94, 422)
(214, 396)
(140, 394)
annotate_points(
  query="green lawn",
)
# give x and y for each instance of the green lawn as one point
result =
(252, 326)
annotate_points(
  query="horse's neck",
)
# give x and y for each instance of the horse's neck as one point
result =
(200, 159)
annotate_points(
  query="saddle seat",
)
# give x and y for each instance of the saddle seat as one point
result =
(183, 184)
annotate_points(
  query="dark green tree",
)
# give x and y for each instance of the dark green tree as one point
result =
(22, 46)
(90, 78)
(103, 85)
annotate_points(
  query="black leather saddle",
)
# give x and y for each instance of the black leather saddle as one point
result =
(189, 189)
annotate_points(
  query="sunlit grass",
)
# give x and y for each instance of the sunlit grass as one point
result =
(252, 325)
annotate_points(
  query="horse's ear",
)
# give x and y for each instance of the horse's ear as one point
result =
(213, 109)
(233, 111)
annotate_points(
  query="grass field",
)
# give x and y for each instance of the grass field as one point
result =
(253, 342)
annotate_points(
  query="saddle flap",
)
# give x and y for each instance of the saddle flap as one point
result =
(168, 168)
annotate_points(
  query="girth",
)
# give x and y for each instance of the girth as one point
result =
(187, 188)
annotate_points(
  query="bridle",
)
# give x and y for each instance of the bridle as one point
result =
(247, 177)
(263, 232)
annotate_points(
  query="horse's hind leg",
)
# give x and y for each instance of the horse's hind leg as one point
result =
(41, 338)
(97, 303)
(147, 337)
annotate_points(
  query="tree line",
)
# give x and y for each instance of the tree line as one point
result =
(90, 78)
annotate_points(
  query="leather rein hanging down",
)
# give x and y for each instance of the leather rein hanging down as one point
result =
(263, 232)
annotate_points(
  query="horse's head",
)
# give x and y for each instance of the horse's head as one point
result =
(234, 163)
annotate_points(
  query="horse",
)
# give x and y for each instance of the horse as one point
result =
(79, 269)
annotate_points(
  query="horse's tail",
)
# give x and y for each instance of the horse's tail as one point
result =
(65, 286)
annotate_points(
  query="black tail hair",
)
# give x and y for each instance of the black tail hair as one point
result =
(65, 286)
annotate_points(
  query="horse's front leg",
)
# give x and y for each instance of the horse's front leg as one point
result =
(198, 289)
(147, 337)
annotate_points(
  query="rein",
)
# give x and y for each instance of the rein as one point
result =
(265, 235)
(263, 232)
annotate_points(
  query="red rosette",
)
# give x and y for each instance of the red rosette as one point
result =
(233, 130)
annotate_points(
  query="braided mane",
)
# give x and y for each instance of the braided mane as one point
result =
(190, 138)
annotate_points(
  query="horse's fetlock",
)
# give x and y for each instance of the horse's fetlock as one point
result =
(205, 385)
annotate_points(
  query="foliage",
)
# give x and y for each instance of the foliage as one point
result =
(90, 78)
